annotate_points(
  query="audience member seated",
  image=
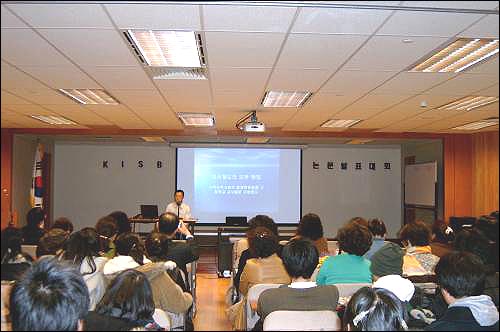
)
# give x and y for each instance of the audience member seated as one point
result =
(460, 276)
(157, 249)
(388, 260)
(127, 303)
(82, 249)
(359, 220)
(51, 296)
(374, 309)
(107, 229)
(33, 231)
(399, 286)
(182, 253)
(130, 254)
(122, 222)
(253, 223)
(310, 227)
(488, 226)
(266, 268)
(418, 259)
(378, 230)
(63, 223)
(349, 266)
(52, 243)
(14, 261)
(442, 238)
(300, 258)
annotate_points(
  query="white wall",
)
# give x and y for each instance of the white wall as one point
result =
(337, 195)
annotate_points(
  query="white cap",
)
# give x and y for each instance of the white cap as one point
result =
(401, 287)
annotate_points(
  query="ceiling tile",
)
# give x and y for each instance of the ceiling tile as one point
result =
(491, 91)
(94, 47)
(353, 112)
(486, 28)
(30, 110)
(276, 117)
(464, 84)
(386, 118)
(10, 99)
(238, 49)
(247, 18)
(404, 126)
(13, 79)
(159, 117)
(339, 20)
(119, 115)
(390, 53)
(240, 99)
(8, 20)
(48, 96)
(353, 82)
(412, 83)
(239, 79)
(418, 23)
(452, 4)
(159, 16)
(138, 97)
(120, 78)
(379, 101)
(78, 114)
(297, 79)
(182, 94)
(318, 51)
(487, 67)
(62, 77)
(60, 15)
(25, 47)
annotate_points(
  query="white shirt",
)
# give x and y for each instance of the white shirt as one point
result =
(184, 210)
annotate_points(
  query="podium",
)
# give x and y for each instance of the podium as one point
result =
(140, 220)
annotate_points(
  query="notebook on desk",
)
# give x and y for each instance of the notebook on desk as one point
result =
(149, 211)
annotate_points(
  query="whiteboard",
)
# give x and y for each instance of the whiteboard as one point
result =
(420, 184)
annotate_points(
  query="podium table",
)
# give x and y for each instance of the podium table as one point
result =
(139, 220)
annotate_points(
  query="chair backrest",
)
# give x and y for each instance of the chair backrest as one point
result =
(347, 290)
(324, 320)
(252, 297)
(29, 249)
(238, 247)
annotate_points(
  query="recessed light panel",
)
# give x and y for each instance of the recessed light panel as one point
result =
(468, 103)
(197, 119)
(285, 98)
(90, 96)
(333, 123)
(53, 120)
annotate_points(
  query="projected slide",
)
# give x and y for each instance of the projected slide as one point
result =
(221, 182)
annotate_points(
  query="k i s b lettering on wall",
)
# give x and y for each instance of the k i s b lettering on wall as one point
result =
(108, 164)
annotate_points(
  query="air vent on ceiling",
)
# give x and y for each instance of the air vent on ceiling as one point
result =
(168, 73)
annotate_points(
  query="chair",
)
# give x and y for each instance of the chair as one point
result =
(251, 302)
(324, 320)
(238, 248)
(283, 242)
(347, 290)
(29, 249)
(191, 281)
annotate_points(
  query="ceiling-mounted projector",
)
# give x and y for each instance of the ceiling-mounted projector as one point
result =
(250, 124)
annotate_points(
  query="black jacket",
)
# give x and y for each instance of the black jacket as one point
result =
(183, 253)
(459, 319)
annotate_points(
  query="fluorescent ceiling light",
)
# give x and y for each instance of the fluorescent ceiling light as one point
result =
(168, 48)
(257, 140)
(153, 139)
(164, 73)
(197, 119)
(359, 141)
(285, 98)
(54, 120)
(90, 96)
(468, 103)
(339, 123)
(459, 55)
(478, 124)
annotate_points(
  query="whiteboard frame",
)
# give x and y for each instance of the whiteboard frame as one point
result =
(416, 206)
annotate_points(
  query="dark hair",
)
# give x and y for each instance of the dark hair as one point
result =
(157, 246)
(354, 239)
(128, 296)
(34, 217)
(122, 222)
(168, 223)
(300, 258)
(179, 191)
(375, 309)
(130, 244)
(63, 223)
(81, 245)
(474, 242)
(11, 241)
(106, 228)
(377, 227)
(51, 242)
(264, 221)
(442, 232)
(51, 296)
(488, 225)
(262, 242)
(359, 220)
(417, 232)
(461, 274)
(310, 227)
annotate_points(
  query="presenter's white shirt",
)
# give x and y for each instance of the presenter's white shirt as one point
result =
(184, 210)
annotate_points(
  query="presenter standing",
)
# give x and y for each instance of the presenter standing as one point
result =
(178, 207)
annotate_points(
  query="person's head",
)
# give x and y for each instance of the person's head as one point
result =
(179, 196)
(388, 260)
(488, 225)
(168, 223)
(35, 218)
(130, 244)
(52, 242)
(300, 258)
(359, 220)
(354, 239)
(475, 242)
(460, 274)
(264, 221)
(51, 296)
(310, 227)
(374, 309)
(262, 242)
(415, 234)
(121, 221)
(377, 227)
(157, 246)
(107, 229)
(81, 245)
(128, 296)
(441, 232)
(12, 239)
(63, 223)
